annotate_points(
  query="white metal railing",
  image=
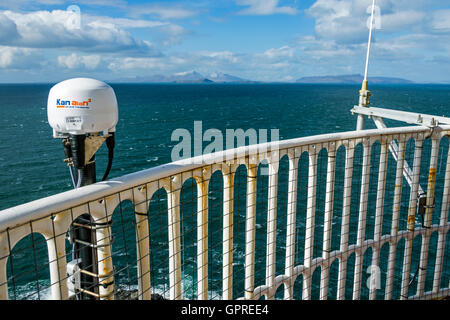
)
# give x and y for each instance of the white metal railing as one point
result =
(52, 217)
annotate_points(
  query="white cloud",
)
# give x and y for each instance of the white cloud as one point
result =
(264, 7)
(75, 61)
(8, 29)
(124, 23)
(38, 4)
(166, 33)
(171, 34)
(164, 12)
(6, 56)
(52, 29)
(132, 63)
(317, 49)
(441, 21)
(346, 21)
(280, 65)
(283, 52)
(413, 36)
(401, 20)
(18, 58)
(224, 56)
(411, 40)
(338, 20)
(204, 61)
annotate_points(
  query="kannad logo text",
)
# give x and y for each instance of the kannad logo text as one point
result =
(72, 103)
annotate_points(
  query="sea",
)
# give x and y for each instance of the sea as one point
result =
(32, 167)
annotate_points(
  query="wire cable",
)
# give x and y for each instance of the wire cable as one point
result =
(80, 177)
(110, 143)
(72, 177)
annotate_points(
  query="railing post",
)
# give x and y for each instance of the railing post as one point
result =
(202, 233)
(379, 211)
(310, 213)
(411, 220)
(142, 242)
(104, 259)
(443, 222)
(227, 246)
(365, 176)
(173, 198)
(395, 218)
(350, 150)
(271, 262)
(102, 212)
(57, 262)
(4, 254)
(428, 216)
(291, 225)
(250, 232)
(328, 218)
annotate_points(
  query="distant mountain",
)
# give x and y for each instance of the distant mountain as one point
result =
(220, 77)
(351, 79)
(187, 77)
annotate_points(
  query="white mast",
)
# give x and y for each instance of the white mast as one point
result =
(370, 41)
(364, 94)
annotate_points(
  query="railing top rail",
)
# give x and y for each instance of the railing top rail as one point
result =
(43, 207)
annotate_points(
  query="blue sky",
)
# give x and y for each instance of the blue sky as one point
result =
(265, 40)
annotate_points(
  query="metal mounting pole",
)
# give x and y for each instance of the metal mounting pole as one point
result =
(83, 238)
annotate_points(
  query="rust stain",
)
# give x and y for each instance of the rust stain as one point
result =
(432, 175)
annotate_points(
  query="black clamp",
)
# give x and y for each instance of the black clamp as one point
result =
(106, 285)
(141, 214)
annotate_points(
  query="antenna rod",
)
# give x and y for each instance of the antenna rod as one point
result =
(364, 93)
(370, 41)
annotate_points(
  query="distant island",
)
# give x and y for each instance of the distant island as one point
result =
(351, 79)
(219, 77)
(188, 77)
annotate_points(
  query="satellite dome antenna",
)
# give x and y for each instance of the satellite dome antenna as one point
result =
(364, 93)
(83, 113)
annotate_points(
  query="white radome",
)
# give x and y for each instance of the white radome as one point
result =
(82, 106)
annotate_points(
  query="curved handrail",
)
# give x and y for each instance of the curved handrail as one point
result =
(40, 208)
